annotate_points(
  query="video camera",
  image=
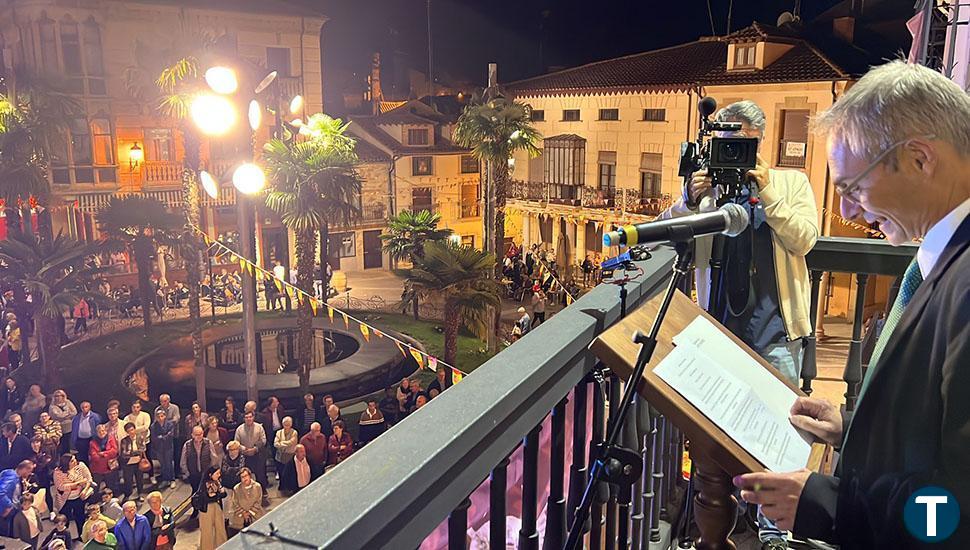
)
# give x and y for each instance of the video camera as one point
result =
(727, 160)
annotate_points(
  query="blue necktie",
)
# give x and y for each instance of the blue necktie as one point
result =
(911, 281)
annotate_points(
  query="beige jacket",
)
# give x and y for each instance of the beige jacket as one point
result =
(793, 217)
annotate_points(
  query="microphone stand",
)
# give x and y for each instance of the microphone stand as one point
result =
(615, 464)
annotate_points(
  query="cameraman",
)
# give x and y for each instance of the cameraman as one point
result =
(764, 284)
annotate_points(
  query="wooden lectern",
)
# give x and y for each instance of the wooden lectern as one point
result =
(717, 457)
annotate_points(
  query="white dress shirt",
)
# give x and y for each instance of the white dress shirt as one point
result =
(938, 237)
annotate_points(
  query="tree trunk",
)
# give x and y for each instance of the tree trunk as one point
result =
(142, 250)
(304, 320)
(48, 345)
(325, 259)
(452, 321)
(191, 201)
(501, 176)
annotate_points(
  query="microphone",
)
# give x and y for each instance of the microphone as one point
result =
(731, 219)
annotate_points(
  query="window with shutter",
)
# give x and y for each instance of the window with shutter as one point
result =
(793, 146)
(651, 174)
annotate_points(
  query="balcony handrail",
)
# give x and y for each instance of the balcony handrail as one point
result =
(465, 432)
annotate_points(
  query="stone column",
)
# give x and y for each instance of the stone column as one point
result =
(526, 231)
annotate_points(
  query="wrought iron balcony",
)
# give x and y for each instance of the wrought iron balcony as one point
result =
(536, 400)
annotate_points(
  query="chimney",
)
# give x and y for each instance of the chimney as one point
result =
(376, 95)
(844, 28)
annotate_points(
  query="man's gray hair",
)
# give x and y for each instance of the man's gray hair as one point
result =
(895, 102)
(743, 111)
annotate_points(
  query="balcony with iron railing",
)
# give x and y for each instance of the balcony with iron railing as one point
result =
(508, 445)
(586, 196)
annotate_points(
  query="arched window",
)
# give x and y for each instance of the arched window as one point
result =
(48, 44)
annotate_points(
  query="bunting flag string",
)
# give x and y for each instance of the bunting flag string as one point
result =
(423, 359)
(545, 274)
(849, 223)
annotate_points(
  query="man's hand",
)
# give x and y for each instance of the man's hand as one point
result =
(819, 418)
(760, 173)
(777, 494)
(700, 183)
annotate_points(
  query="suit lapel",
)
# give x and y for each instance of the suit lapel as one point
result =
(914, 310)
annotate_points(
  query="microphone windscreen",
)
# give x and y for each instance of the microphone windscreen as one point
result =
(707, 106)
(737, 219)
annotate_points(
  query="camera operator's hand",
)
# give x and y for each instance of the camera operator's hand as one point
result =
(700, 184)
(760, 173)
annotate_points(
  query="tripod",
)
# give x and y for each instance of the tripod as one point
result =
(615, 464)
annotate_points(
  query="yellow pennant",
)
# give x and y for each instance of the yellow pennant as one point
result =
(569, 299)
(365, 331)
(346, 320)
(313, 306)
(279, 285)
(330, 313)
(417, 357)
(242, 264)
(205, 239)
(456, 376)
(400, 347)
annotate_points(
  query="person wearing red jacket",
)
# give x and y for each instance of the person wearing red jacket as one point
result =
(341, 445)
(103, 458)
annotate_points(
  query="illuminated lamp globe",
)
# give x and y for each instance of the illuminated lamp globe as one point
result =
(249, 178)
(296, 105)
(209, 184)
(212, 114)
(255, 115)
(222, 80)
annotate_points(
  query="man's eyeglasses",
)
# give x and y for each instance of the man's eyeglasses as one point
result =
(849, 189)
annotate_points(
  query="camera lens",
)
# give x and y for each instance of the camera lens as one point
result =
(731, 152)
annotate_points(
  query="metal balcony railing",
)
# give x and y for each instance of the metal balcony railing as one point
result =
(586, 196)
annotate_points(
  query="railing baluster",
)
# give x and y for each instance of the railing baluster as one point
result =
(599, 422)
(652, 503)
(611, 504)
(528, 536)
(577, 471)
(458, 526)
(809, 360)
(639, 527)
(496, 505)
(853, 365)
(673, 467)
(556, 504)
(661, 468)
(624, 495)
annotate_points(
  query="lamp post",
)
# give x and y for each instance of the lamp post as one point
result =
(248, 179)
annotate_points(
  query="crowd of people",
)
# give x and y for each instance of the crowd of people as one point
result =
(64, 463)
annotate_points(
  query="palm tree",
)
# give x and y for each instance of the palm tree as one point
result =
(315, 183)
(494, 131)
(58, 274)
(406, 234)
(461, 275)
(140, 224)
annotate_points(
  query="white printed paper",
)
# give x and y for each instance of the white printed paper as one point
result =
(737, 394)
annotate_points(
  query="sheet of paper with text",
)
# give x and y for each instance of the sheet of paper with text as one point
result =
(736, 393)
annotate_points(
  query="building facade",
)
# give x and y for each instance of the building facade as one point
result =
(92, 45)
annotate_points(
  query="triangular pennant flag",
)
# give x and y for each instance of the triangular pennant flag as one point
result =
(433, 363)
(378, 333)
(330, 313)
(417, 357)
(346, 320)
(242, 264)
(400, 347)
(314, 305)
(279, 285)
(205, 239)
(456, 376)
(569, 299)
(365, 331)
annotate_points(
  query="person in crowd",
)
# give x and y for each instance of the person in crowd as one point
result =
(34, 404)
(133, 449)
(114, 424)
(103, 458)
(73, 485)
(587, 269)
(11, 493)
(141, 419)
(163, 446)
(63, 411)
(333, 415)
(195, 418)
(316, 443)
(12, 396)
(420, 401)
(308, 414)
(84, 428)
(371, 423)
(61, 532)
(232, 463)
(208, 498)
(14, 344)
(403, 394)
(161, 521)
(442, 380)
(174, 415)
(272, 420)
(341, 445)
(111, 506)
(133, 531)
(196, 457)
(252, 437)
(299, 472)
(432, 393)
(230, 417)
(18, 421)
(539, 301)
(523, 325)
(42, 476)
(389, 407)
(49, 432)
(14, 447)
(416, 392)
(285, 444)
(218, 437)
(327, 402)
(27, 524)
(101, 538)
(93, 513)
(898, 144)
(247, 501)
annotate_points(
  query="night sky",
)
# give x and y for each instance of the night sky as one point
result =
(528, 37)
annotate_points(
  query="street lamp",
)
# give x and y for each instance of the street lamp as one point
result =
(248, 178)
(209, 184)
(135, 156)
(222, 80)
(213, 114)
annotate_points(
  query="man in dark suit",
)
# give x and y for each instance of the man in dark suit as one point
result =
(899, 155)
(14, 448)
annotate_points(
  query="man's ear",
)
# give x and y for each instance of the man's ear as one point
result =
(922, 156)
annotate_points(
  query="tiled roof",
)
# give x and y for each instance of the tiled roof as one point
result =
(566, 137)
(682, 67)
(759, 31)
(273, 7)
(369, 153)
(386, 106)
(370, 126)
